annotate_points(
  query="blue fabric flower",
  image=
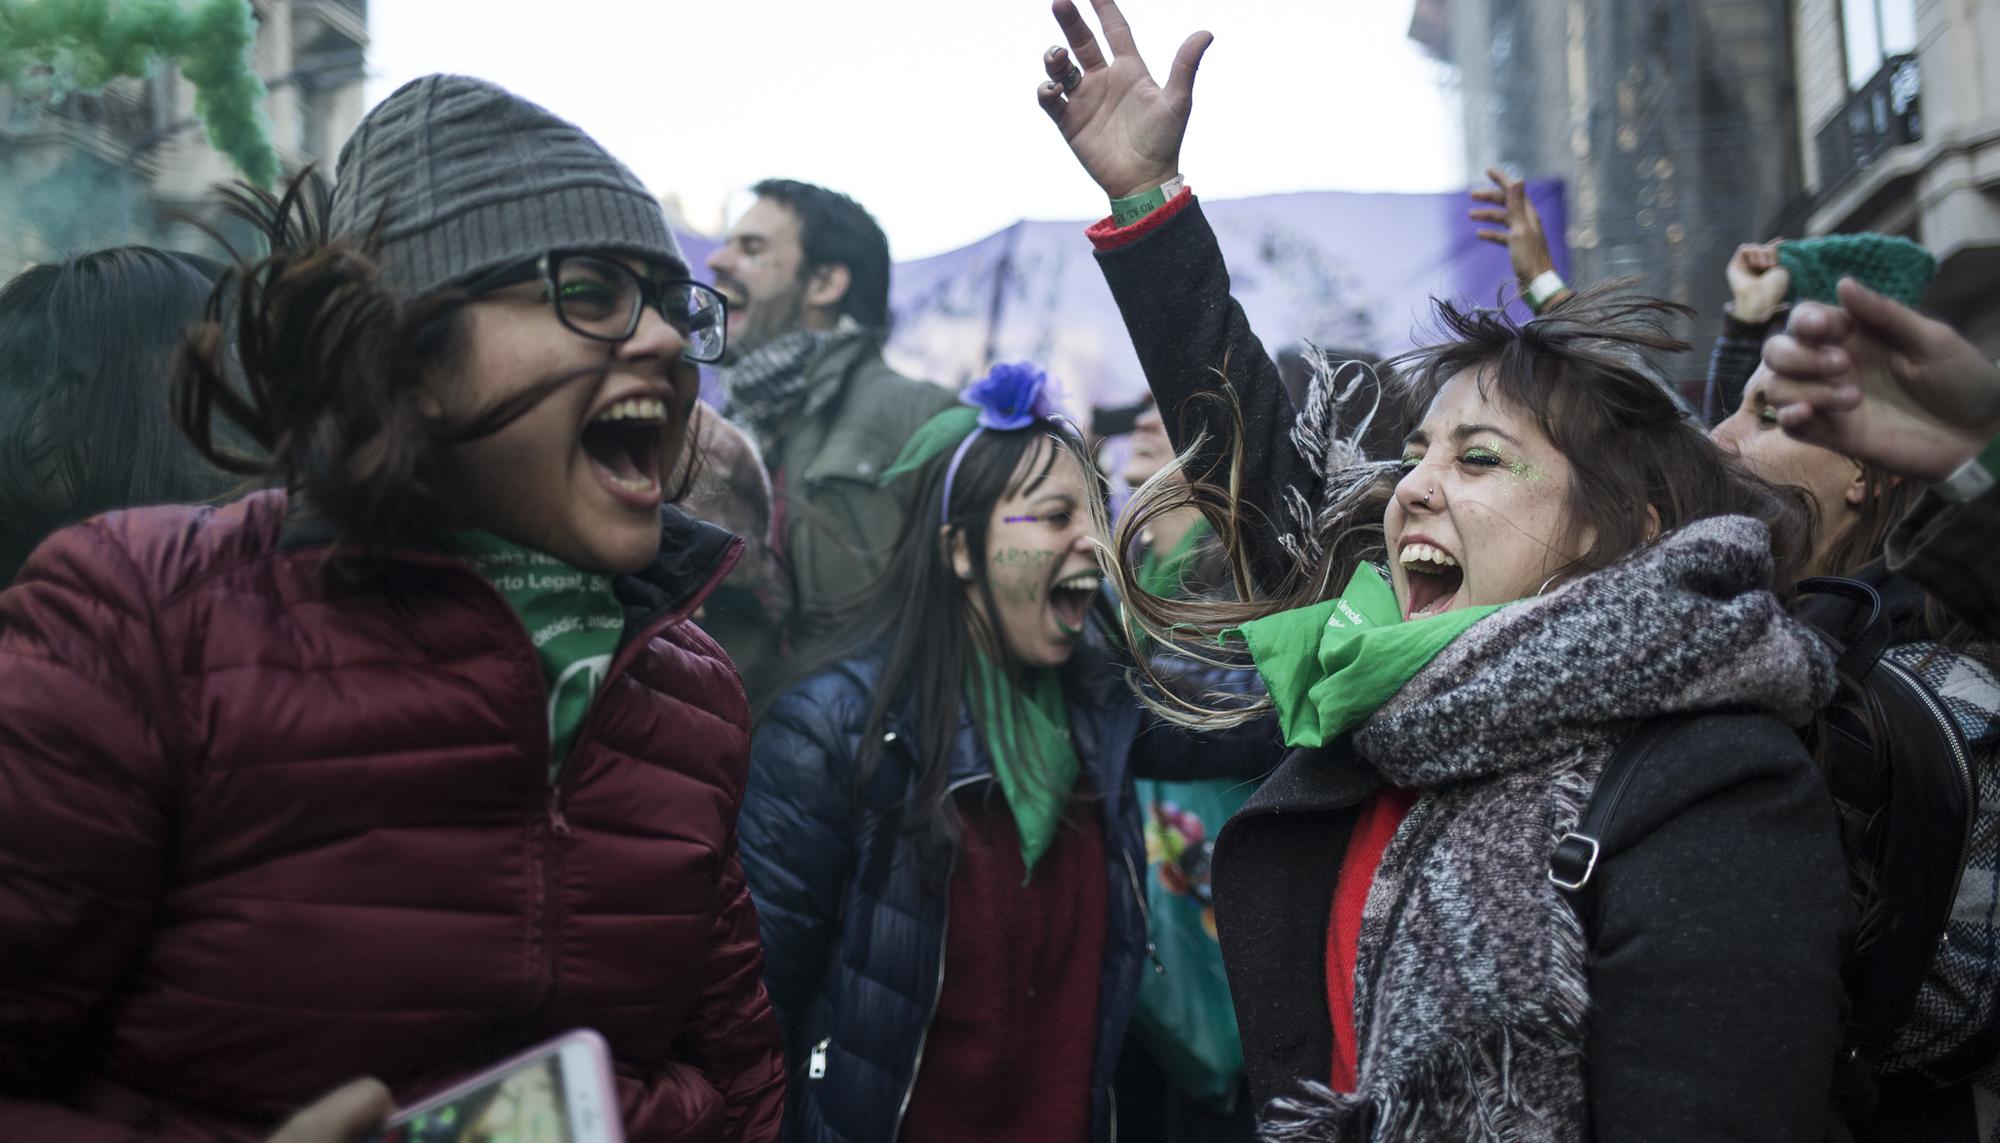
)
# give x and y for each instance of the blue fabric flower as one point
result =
(1012, 396)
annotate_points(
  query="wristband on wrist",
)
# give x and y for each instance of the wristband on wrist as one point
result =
(1130, 209)
(1546, 285)
(1974, 478)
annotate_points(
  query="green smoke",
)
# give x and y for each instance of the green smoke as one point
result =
(88, 43)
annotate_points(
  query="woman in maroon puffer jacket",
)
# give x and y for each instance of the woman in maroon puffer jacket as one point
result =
(420, 761)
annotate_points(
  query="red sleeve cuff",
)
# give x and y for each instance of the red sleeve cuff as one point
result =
(1107, 235)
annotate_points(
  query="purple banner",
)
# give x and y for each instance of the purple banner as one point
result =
(1342, 270)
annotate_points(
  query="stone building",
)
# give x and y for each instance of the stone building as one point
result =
(82, 170)
(1668, 121)
(1899, 110)
(1685, 127)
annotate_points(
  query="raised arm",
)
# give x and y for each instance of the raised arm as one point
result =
(1166, 270)
(1758, 286)
(1520, 233)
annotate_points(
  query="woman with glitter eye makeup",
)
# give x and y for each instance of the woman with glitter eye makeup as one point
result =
(1455, 647)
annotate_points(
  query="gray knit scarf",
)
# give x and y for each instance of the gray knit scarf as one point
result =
(1470, 984)
(774, 384)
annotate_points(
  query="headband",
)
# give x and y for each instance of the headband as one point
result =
(1011, 396)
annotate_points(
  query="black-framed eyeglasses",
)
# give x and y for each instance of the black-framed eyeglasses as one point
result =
(602, 299)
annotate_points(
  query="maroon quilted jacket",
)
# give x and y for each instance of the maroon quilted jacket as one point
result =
(264, 829)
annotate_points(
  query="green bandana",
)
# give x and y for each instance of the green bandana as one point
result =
(1164, 576)
(1329, 666)
(572, 618)
(1027, 733)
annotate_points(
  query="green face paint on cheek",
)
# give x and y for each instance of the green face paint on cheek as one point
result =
(1020, 557)
(1522, 470)
(1018, 574)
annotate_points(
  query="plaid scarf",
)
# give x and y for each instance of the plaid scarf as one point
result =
(1960, 998)
(773, 384)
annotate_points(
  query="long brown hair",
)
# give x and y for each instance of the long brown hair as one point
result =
(920, 621)
(322, 366)
(1583, 372)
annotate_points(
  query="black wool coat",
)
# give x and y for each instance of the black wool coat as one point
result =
(1716, 945)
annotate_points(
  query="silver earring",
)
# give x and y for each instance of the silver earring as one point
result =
(1542, 590)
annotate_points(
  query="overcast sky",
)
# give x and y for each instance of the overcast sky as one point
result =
(925, 111)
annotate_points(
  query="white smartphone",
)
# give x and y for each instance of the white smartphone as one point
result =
(555, 1092)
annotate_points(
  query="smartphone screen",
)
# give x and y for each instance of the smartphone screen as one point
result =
(547, 1097)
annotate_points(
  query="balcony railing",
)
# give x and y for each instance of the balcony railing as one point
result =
(345, 20)
(1885, 113)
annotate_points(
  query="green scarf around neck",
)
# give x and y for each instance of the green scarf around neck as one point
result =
(1027, 733)
(1329, 666)
(572, 618)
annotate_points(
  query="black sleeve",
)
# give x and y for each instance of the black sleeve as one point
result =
(1950, 549)
(1172, 289)
(1739, 349)
(1715, 960)
(1165, 751)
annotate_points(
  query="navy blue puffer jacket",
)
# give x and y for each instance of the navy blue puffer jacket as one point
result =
(853, 945)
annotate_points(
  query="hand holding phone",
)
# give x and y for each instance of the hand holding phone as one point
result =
(347, 1114)
(556, 1092)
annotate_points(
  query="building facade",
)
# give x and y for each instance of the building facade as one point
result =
(81, 170)
(1683, 128)
(1666, 120)
(1899, 107)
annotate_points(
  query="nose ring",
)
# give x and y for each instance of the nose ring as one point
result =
(1428, 493)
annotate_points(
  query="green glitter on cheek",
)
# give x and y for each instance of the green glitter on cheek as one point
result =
(1522, 470)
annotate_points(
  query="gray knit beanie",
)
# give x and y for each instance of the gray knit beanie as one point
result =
(466, 177)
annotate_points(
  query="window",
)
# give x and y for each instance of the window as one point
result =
(1876, 30)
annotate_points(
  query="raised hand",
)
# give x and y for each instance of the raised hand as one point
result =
(1125, 129)
(1527, 247)
(1883, 384)
(1757, 283)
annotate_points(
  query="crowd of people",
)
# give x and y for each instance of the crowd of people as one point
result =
(401, 665)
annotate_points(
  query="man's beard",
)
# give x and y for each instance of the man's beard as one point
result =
(767, 320)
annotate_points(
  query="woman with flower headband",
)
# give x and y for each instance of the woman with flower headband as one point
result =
(940, 832)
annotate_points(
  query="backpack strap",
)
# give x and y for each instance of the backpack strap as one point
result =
(1860, 644)
(1573, 863)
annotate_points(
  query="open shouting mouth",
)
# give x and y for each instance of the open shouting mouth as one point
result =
(624, 441)
(1433, 575)
(1071, 596)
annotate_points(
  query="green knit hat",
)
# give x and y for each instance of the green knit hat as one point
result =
(1893, 267)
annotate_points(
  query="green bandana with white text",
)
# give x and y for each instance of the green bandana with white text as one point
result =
(572, 618)
(1331, 665)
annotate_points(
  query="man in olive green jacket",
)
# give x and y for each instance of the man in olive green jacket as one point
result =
(806, 273)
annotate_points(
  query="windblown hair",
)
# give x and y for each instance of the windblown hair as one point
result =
(919, 619)
(322, 366)
(86, 345)
(1582, 372)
